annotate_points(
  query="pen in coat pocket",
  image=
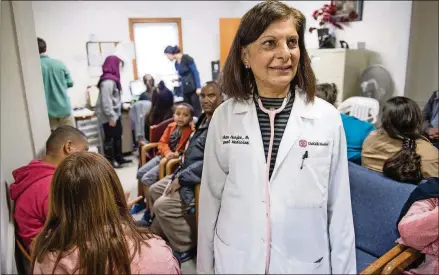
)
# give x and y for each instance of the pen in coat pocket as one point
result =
(305, 155)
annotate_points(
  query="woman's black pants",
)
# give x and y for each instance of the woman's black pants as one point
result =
(113, 141)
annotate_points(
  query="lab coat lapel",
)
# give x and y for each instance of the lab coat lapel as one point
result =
(252, 130)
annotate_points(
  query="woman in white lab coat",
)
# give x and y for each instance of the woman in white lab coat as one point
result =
(275, 192)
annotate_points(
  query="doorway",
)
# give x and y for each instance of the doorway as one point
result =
(228, 29)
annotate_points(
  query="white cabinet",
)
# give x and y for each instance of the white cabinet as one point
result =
(340, 66)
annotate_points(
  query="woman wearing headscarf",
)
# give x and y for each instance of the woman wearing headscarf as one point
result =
(189, 76)
(108, 110)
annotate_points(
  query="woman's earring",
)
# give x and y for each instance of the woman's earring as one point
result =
(247, 66)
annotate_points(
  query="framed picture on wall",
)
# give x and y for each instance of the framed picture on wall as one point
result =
(346, 7)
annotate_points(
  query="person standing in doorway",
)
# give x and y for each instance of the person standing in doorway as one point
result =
(108, 110)
(189, 76)
(57, 80)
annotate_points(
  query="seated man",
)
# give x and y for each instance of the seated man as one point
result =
(31, 188)
(356, 130)
(173, 196)
(431, 119)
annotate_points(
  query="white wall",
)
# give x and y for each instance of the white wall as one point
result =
(24, 121)
(384, 27)
(422, 67)
(66, 26)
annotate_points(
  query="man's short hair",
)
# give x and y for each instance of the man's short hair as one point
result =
(42, 46)
(327, 92)
(61, 135)
(214, 85)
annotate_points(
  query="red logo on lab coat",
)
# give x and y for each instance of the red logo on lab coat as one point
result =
(303, 143)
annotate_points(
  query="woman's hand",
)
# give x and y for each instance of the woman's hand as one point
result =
(130, 203)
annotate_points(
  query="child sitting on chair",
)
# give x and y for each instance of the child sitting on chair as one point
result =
(171, 144)
(418, 226)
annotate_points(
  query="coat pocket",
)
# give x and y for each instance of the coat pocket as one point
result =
(309, 188)
(281, 264)
(228, 260)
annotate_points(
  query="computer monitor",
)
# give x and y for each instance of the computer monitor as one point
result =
(137, 87)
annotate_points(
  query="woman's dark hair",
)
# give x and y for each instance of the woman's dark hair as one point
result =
(172, 50)
(237, 81)
(401, 118)
(327, 92)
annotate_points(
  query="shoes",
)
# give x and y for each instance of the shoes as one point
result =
(116, 165)
(137, 208)
(184, 256)
(124, 161)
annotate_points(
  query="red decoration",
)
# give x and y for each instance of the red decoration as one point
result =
(328, 15)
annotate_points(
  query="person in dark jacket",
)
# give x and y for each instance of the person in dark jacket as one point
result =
(162, 101)
(173, 196)
(189, 76)
(431, 119)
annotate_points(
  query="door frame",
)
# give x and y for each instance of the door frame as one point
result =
(132, 21)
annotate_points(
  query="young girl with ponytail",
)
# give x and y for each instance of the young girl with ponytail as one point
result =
(398, 148)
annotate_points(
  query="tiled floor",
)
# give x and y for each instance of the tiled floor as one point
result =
(127, 177)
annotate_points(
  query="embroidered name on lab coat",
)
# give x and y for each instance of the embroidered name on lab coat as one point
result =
(235, 139)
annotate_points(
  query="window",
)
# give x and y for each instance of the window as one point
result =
(151, 36)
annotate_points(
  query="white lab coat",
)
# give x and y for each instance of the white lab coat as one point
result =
(312, 228)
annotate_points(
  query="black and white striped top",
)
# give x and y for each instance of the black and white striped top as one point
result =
(280, 122)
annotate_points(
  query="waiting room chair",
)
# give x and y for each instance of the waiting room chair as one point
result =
(363, 108)
(401, 262)
(376, 205)
(148, 151)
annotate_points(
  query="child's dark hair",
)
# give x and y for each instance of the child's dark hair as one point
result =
(327, 92)
(402, 119)
(190, 108)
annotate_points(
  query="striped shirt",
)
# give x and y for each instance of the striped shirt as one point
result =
(280, 122)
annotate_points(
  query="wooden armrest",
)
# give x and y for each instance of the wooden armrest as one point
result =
(162, 168)
(378, 266)
(402, 261)
(146, 148)
(171, 165)
(197, 199)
